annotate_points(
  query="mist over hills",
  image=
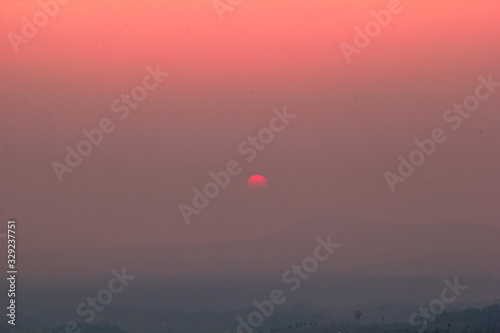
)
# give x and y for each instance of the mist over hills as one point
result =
(372, 270)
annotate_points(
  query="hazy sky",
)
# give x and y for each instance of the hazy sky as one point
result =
(226, 76)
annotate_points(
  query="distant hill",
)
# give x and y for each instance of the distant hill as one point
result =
(488, 315)
(467, 321)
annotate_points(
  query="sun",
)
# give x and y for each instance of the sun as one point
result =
(257, 182)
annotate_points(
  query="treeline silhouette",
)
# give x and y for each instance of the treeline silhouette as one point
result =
(470, 320)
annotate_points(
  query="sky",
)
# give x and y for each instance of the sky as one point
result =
(225, 78)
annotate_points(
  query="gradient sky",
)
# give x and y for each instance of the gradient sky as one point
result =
(226, 76)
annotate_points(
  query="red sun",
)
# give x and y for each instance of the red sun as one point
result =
(257, 182)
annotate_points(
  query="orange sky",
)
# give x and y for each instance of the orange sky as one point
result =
(353, 120)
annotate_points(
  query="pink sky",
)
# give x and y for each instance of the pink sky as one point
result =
(353, 120)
